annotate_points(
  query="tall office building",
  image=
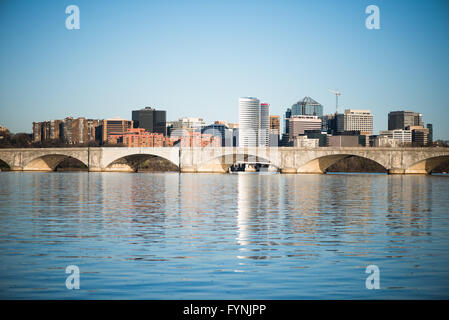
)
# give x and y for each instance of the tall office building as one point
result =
(430, 136)
(150, 119)
(339, 122)
(299, 124)
(264, 125)
(325, 119)
(254, 122)
(275, 130)
(307, 107)
(420, 136)
(335, 123)
(275, 124)
(288, 115)
(358, 120)
(249, 110)
(403, 119)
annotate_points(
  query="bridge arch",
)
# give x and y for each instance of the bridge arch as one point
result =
(322, 163)
(4, 165)
(132, 162)
(426, 166)
(222, 162)
(48, 162)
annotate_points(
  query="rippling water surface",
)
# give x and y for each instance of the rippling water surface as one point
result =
(234, 236)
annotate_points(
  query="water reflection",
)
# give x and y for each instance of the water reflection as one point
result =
(223, 236)
(258, 214)
(409, 206)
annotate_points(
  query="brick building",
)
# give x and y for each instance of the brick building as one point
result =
(138, 137)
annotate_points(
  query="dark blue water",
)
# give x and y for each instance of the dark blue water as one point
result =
(235, 236)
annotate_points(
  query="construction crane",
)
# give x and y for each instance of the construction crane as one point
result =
(337, 93)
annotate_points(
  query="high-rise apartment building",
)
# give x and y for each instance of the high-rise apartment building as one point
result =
(47, 130)
(37, 137)
(93, 132)
(358, 120)
(75, 131)
(403, 119)
(69, 130)
(150, 119)
(113, 126)
(254, 122)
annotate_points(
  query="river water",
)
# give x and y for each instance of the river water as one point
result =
(231, 236)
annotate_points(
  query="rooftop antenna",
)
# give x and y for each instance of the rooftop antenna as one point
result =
(337, 93)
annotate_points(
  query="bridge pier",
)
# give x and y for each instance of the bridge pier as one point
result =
(289, 170)
(188, 169)
(417, 171)
(403, 171)
(396, 171)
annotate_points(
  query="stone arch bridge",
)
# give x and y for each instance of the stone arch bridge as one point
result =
(219, 160)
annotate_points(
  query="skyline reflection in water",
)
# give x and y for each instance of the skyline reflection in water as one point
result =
(237, 236)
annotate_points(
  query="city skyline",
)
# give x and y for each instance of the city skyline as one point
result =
(224, 156)
(190, 60)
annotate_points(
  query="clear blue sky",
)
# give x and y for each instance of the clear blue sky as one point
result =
(196, 58)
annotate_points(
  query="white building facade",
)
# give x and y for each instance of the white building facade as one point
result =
(358, 120)
(254, 123)
(403, 136)
(304, 142)
(189, 124)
